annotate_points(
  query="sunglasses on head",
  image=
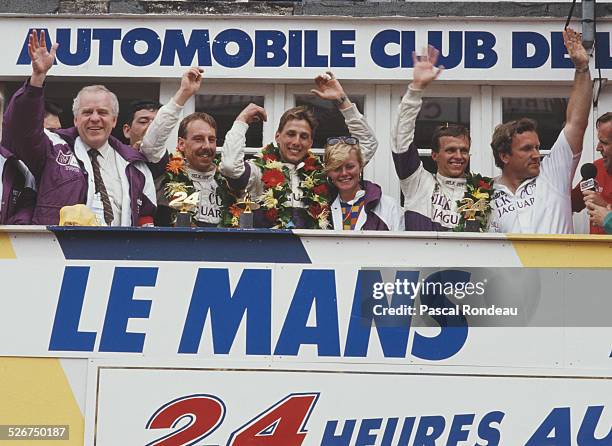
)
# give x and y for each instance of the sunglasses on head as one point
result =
(333, 140)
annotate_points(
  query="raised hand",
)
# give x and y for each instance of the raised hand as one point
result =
(328, 87)
(252, 113)
(42, 59)
(190, 84)
(575, 49)
(425, 70)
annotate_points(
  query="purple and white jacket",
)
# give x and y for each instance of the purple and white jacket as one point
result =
(62, 175)
(379, 212)
(430, 200)
(17, 191)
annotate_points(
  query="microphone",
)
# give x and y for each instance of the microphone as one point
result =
(588, 172)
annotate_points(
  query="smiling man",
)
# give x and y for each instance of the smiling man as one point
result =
(80, 165)
(283, 179)
(430, 200)
(533, 196)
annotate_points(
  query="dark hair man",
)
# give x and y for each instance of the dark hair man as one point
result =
(532, 196)
(430, 200)
(52, 112)
(603, 196)
(80, 165)
(140, 115)
(294, 139)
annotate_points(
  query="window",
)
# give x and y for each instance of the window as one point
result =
(549, 113)
(225, 108)
(331, 122)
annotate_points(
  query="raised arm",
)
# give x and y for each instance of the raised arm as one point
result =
(154, 141)
(232, 164)
(579, 105)
(23, 119)
(329, 88)
(405, 154)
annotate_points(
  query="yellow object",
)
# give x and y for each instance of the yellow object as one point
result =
(6, 247)
(77, 215)
(36, 391)
(563, 251)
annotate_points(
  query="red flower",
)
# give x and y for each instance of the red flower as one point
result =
(235, 210)
(269, 157)
(484, 185)
(273, 177)
(272, 214)
(310, 164)
(315, 210)
(321, 189)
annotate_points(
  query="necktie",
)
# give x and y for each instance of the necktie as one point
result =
(100, 188)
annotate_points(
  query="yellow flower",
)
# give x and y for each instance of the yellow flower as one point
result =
(235, 221)
(480, 195)
(268, 199)
(308, 183)
(274, 165)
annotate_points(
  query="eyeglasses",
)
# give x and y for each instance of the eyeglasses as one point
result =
(333, 140)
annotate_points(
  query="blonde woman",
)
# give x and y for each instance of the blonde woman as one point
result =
(356, 204)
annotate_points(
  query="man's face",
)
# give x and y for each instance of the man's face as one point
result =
(604, 144)
(523, 161)
(453, 156)
(52, 122)
(199, 145)
(94, 119)
(136, 130)
(294, 140)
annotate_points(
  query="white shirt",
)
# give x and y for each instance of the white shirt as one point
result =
(112, 180)
(209, 208)
(540, 205)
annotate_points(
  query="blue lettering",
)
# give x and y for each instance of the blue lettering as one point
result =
(389, 432)
(479, 52)
(128, 47)
(558, 52)
(520, 45)
(122, 307)
(423, 435)
(392, 331)
(408, 47)
(378, 52)
(457, 434)
(406, 430)
(24, 56)
(65, 335)
(107, 39)
(455, 47)
(586, 433)
(364, 438)
(211, 293)
(319, 285)
(344, 439)
(83, 46)
(454, 329)
(340, 50)
(174, 45)
(269, 49)
(603, 53)
(558, 421)
(488, 433)
(242, 56)
(311, 56)
(295, 48)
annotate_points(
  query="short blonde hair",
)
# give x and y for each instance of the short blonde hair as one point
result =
(337, 154)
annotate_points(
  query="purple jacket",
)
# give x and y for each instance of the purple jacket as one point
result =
(382, 213)
(61, 181)
(17, 200)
